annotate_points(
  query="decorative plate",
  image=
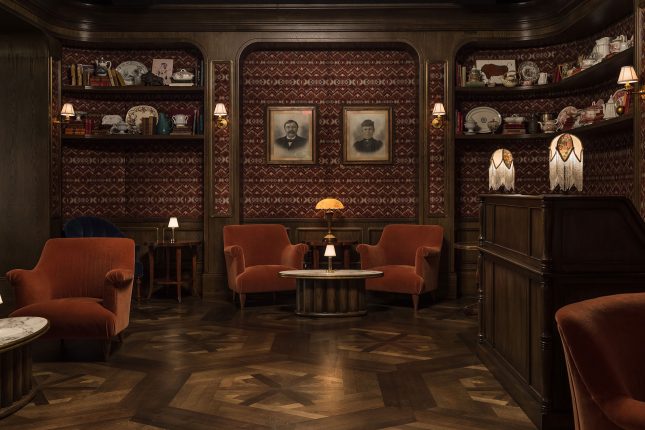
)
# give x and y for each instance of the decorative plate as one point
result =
(565, 114)
(482, 115)
(134, 115)
(131, 72)
(111, 119)
(529, 71)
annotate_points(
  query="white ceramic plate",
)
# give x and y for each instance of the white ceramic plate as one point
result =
(131, 72)
(569, 111)
(481, 115)
(529, 71)
(134, 115)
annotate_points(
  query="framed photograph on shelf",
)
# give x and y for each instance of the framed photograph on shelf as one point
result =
(495, 69)
(291, 134)
(367, 135)
(163, 69)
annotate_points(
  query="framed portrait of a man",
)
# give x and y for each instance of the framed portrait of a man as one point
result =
(367, 135)
(291, 135)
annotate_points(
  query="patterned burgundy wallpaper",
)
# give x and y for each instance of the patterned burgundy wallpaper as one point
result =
(436, 82)
(329, 79)
(221, 157)
(608, 157)
(135, 179)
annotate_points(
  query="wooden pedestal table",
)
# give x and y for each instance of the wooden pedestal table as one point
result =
(340, 293)
(16, 335)
(167, 247)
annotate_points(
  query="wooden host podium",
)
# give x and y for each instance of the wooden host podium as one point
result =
(537, 254)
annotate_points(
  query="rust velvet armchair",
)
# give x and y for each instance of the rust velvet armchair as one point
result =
(255, 253)
(604, 348)
(408, 255)
(82, 286)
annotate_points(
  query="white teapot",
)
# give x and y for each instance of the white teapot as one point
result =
(102, 67)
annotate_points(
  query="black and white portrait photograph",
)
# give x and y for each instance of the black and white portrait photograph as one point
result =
(162, 68)
(367, 135)
(291, 134)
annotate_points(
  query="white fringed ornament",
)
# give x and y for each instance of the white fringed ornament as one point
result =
(565, 162)
(501, 172)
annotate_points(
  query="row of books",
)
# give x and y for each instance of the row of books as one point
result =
(83, 75)
(460, 79)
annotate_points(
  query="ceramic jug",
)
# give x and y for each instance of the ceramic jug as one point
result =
(543, 79)
(102, 67)
(163, 125)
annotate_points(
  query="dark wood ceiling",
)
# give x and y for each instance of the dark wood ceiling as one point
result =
(515, 19)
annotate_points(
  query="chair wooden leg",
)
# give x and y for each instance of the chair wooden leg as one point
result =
(242, 300)
(107, 345)
(415, 302)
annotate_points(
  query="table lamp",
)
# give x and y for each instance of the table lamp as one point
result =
(329, 205)
(173, 224)
(330, 252)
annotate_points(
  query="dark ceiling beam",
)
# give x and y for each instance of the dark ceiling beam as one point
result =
(546, 19)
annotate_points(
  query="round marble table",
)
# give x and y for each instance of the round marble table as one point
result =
(340, 293)
(16, 335)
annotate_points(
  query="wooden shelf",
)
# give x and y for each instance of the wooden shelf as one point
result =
(132, 89)
(622, 123)
(595, 75)
(130, 137)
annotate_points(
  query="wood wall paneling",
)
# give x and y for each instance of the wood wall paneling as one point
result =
(24, 142)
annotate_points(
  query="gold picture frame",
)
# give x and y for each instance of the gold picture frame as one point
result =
(367, 135)
(291, 134)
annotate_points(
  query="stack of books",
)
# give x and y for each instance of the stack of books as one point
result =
(514, 129)
(74, 127)
(181, 130)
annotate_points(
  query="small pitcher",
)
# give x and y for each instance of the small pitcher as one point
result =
(163, 125)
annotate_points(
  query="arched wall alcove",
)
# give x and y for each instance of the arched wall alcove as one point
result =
(329, 78)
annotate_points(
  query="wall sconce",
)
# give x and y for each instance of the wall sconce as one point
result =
(628, 77)
(173, 224)
(438, 112)
(565, 162)
(501, 172)
(220, 115)
(329, 205)
(330, 252)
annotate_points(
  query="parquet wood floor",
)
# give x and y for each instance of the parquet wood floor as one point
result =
(199, 365)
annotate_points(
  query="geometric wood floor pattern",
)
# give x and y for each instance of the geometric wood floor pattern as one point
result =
(207, 365)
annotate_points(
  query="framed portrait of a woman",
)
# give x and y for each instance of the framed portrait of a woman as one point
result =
(367, 135)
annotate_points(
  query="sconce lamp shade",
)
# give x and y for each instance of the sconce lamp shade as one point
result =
(438, 109)
(173, 223)
(67, 110)
(220, 110)
(627, 75)
(329, 204)
(565, 162)
(330, 251)
(501, 172)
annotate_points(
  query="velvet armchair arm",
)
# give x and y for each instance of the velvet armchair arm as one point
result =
(30, 286)
(426, 265)
(627, 413)
(235, 264)
(115, 290)
(294, 255)
(371, 255)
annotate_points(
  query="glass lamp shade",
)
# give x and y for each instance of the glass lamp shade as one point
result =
(501, 172)
(627, 75)
(220, 110)
(438, 109)
(329, 204)
(67, 110)
(330, 251)
(565, 162)
(173, 223)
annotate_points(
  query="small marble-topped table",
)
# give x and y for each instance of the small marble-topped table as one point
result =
(16, 335)
(320, 293)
